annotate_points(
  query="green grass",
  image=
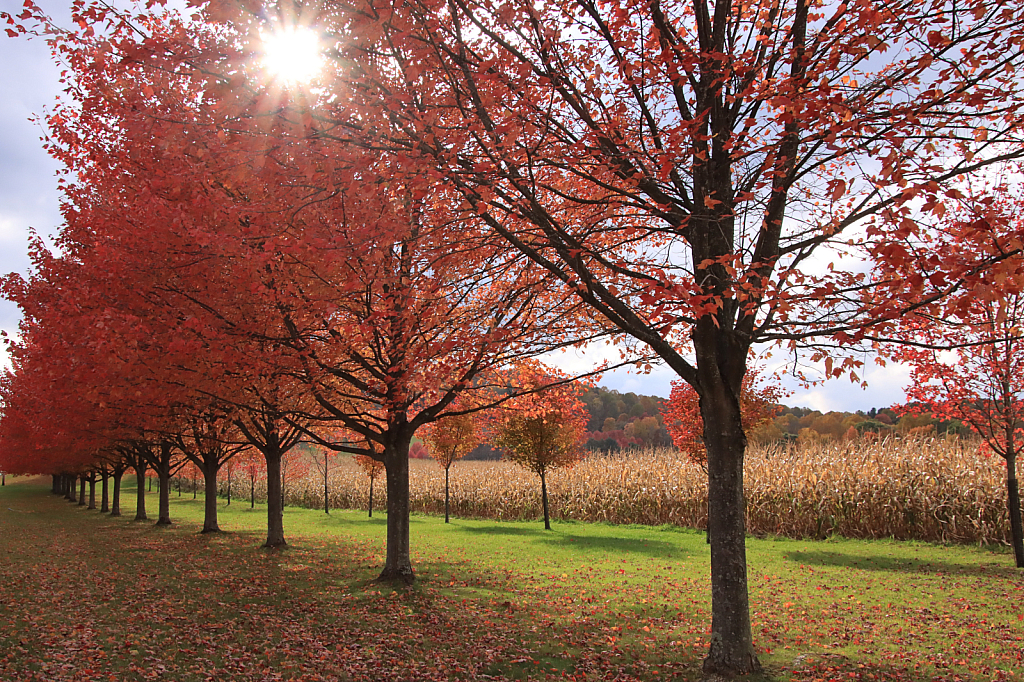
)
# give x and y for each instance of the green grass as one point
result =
(88, 597)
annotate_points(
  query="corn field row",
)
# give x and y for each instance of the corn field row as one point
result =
(926, 489)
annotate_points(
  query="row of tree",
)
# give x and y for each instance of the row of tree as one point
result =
(467, 185)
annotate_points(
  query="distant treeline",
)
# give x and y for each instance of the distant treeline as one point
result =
(623, 420)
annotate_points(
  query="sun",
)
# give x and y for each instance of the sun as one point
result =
(292, 55)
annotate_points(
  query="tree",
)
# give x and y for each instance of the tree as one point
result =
(210, 442)
(372, 468)
(448, 440)
(979, 382)
(322, 462)
(543, 430)
(254, 468)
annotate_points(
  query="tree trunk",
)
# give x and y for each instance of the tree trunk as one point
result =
(732, 650)
(164, 481)
(210, 524)
(55, 480)
(105, 492)
(92, 492)
(275, 500)
(544, 499)
(370, 514)
(140, 502)
(398, 563)
(69, 488)
(446, 493)
(115, 502)
(252, 493)
(194, 484)
(327, 506)
(81, 492)
(1013, 504)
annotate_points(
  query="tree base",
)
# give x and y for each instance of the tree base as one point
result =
(141, 518)
(164, 522)
(205, 530)
(274, 544)
(403, 574)
(721, 665)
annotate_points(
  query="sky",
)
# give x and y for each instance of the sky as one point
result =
(29, 84)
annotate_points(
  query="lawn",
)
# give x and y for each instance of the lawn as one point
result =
(89, 597)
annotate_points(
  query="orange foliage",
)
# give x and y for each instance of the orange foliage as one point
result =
(758, 405)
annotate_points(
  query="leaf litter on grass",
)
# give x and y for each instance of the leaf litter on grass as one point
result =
(94, 598)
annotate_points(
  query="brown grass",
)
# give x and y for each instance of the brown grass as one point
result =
(924, 488)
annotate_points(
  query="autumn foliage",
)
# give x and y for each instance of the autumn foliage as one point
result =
(759, 404)
(543, 430)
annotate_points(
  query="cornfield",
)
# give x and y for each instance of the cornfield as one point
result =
(926, 489)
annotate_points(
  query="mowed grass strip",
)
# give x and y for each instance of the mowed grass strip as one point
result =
(89, 597)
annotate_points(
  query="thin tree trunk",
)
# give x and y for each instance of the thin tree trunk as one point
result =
(81, 492)
(140, 502)
(104, 493)
(194, 484)
(115, 502)
(56, 484)
(92, 492)
(370, 514)
(1013, 505)
(252, 492)
(544, 499)
(210, 524)
(398, 563)
(69, 488)
(275, 500)
(327, 507)
(446, 493)
(732, 650)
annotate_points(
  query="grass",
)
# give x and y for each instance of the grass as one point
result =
(88, 597)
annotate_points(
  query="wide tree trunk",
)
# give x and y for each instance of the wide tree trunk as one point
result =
(115, 502)
(105, 493)
(544, 499)
(1013, 506)
(140, 498)
(164, 482)
(732, 650)
(56, 484)
(275, 500)
(398, 564)
(81, 492)
(210, 524)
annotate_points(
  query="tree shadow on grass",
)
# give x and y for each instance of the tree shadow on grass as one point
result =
(829, 666)
(586, 543)
(899, 565)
